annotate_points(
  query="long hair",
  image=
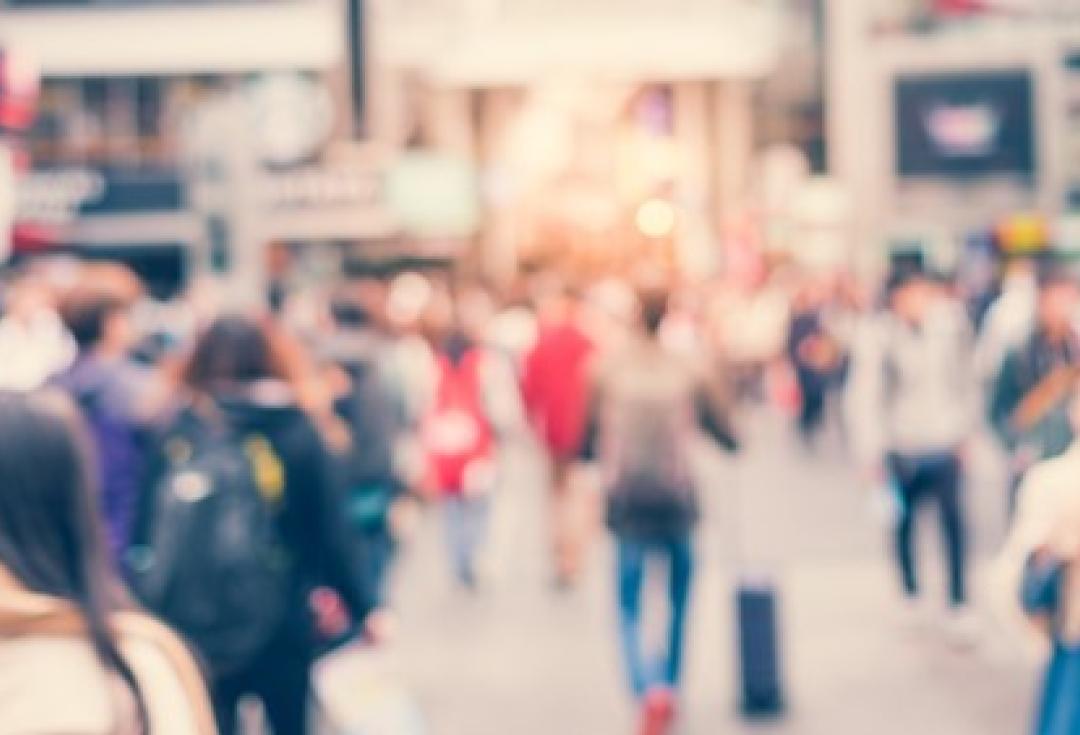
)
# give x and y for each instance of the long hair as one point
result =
(50, 539)
(235, 350)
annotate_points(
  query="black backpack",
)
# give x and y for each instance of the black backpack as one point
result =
(214, 566)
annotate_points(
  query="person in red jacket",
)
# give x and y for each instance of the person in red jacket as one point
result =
(555, 387)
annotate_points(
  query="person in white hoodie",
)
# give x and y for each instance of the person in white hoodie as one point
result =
(911, 405)
(75, 657)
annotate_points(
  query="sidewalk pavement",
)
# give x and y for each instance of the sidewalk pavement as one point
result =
(520, 658)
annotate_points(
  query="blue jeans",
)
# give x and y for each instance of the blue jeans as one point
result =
(466, 527)
(1059, 709)
(632, 559)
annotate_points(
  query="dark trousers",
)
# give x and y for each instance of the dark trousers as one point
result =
(812, 412)
(931, 478)
(631, 561)
(375, 547)
(280, 677)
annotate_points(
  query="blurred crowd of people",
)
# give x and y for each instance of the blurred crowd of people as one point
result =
(253, 474)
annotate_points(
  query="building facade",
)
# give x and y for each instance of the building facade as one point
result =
(945, 117)
(591, 125)
(124, 163)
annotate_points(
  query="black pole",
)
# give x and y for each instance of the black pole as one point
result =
(356, 19)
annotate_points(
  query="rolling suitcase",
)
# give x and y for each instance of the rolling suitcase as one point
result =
(757, 618)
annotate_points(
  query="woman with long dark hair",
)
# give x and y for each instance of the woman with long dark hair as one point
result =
(74, 656)
(244, 409)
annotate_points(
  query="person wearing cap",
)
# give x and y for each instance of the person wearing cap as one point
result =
(911, 407)
(1029, 404)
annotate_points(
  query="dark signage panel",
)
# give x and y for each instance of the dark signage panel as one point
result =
(129, 191)
(966, 125)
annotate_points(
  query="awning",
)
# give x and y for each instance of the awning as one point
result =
(716, 40)
(177, 39)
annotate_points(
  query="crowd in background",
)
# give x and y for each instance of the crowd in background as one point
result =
(336, 418)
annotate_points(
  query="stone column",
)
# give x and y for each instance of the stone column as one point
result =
(733, 143)
(691, 105)
(449, 122)
(695, 188)
(500, 233)
(851, 118)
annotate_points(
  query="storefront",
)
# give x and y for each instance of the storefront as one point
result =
(129, 142)
(598, 130)
(136, 216)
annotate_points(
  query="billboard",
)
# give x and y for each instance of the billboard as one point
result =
(966, 125)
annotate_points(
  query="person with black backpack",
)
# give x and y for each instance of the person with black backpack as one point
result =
(241, 522)
(646, 406)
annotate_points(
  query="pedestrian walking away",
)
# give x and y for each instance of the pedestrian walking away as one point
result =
(647, 404)
(372, 411)
(241, 522)
(458, 437)
(555, 388)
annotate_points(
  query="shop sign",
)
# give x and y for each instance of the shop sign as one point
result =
(314, 188)
(434, 195)
(57, 196)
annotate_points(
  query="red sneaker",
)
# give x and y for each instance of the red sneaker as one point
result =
(658, 712)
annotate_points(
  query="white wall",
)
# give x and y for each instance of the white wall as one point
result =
(513, 44)
(211, 38)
